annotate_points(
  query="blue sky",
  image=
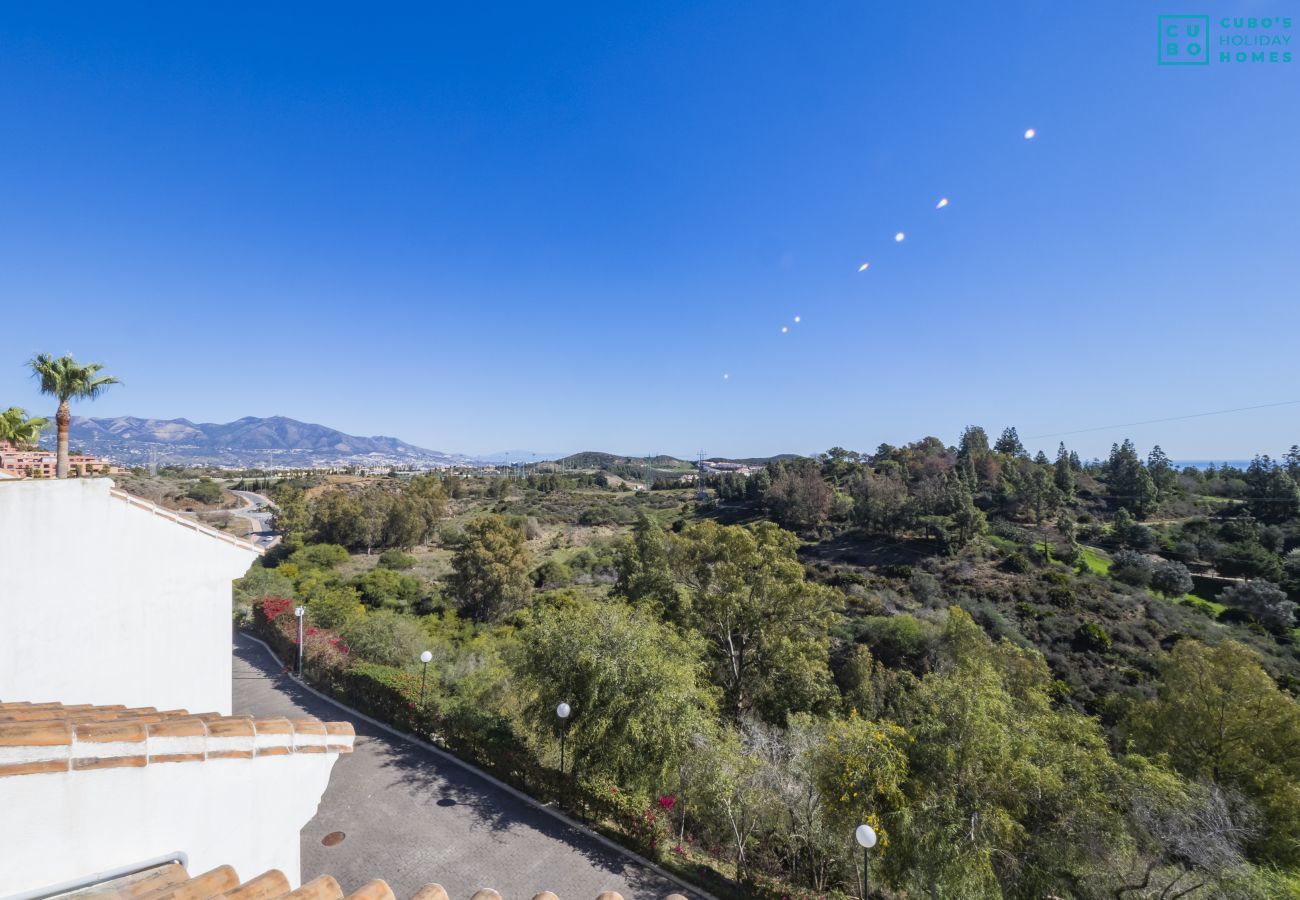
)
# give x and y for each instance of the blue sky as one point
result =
(557, 226)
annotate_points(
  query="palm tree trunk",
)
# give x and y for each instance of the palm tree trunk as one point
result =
(63, 418)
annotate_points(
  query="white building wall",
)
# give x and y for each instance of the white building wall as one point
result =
(102, 602)
(246, 813)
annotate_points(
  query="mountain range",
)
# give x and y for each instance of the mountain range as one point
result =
(247, 442)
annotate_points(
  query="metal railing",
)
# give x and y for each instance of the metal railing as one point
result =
(141, 503)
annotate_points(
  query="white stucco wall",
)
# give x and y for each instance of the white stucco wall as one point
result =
(246, 813)
(103, 603)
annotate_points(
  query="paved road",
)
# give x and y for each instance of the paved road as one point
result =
(412, 817)
(258, 511)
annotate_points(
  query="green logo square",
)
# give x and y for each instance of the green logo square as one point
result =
(1184, 41)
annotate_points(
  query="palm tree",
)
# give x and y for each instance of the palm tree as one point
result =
(18, 430)
(66, 379)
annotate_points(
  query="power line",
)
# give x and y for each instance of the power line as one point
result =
(1217, 412)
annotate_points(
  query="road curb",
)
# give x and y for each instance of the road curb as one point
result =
(490, 779)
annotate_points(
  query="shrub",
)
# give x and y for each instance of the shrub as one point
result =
(552, 574)
(335, 607)
(319, 556)
(396, 559)
(1016, 562)
(388, 589)
(274, 621)
(385, 637)
(1264, 601)
(1171, 579)
(1248, 560)
(205, 490)
(900, 640)
(1092, 636)
(260, 582)
(1132, 568)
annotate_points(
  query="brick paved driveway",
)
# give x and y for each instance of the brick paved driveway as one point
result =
(412, 817)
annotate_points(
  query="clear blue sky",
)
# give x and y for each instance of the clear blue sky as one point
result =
(556, 226)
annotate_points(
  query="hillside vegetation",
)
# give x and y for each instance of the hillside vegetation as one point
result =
(1033, 677)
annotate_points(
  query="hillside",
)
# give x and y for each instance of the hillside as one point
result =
(920, 638)
(250, 441)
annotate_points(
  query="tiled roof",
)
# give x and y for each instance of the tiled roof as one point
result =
(172, 882)
(52, 737)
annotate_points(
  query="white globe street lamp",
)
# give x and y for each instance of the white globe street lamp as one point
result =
(426, 657)
(563, 711)
(866, 838)
(301, 613)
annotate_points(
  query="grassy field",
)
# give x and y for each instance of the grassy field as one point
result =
(1096, 561)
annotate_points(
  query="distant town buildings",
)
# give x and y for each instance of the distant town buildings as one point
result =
(717, 467)
(41, 463)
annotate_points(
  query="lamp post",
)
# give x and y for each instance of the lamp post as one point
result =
(425, 658)
(563, 711)
(866, 838)
(300, 611)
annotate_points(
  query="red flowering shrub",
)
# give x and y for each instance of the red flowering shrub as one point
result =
(324, 652)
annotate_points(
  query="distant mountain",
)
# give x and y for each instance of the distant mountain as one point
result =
(250, 441)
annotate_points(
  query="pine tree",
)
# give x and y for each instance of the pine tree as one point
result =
(1131, 485)
(974, 443)
(1064, 474)
(1009, 443)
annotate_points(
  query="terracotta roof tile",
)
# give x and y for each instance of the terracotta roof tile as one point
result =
(321, 888)
(170, 883)
(373, 890)
(37, 738)
(200, 887)
(266, 886)
(431, 892)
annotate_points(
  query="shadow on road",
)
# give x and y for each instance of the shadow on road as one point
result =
(437, 787)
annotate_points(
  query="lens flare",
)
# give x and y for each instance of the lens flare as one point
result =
(864, 267)
(942, 203)
(899, 237)
(798, 319)
(785, 329)
(1029, 134)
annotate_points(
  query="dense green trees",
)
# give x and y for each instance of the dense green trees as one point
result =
(490, 571)
(1272, 493)
(799, 496)
(1131, 485)
(636, 689)
(376, 517)
(1007, 794)
(765, 625)
(1218, 716)
(644, 577)
(775, 688)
